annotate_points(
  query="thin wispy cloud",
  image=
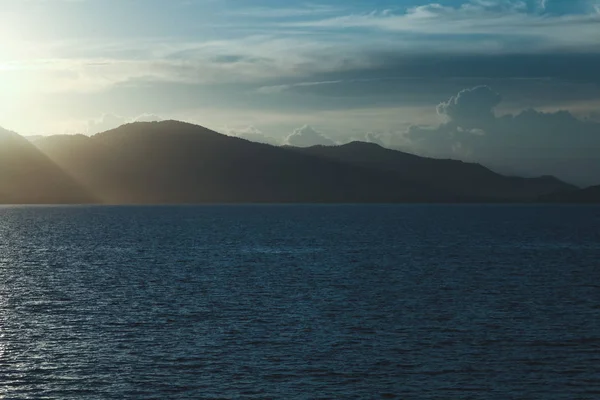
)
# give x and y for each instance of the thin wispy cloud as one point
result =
(335, 44)
(307, 10)
(501, 22)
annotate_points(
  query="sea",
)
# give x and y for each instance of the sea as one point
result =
(300, 302)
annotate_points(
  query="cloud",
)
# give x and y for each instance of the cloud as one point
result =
(147, 118)
(91, 67)
(105, 123)
(375, 137)
(310, 59)
(470, 106)
(314, 50)
(496, 23)
(307, 136)
(530, 142)
(594, 116)
(270, 51)
(282, 88)
(253, 134)
(307, 10)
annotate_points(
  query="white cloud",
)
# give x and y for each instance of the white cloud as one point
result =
(308, 10)
(530, 142)
(375, 137)
(285, 50)
(470, 105)
(307, 136)
(105, 123)
(282, 88)
(251, 59)
(147, 118)
(499, 20)
(252, 134)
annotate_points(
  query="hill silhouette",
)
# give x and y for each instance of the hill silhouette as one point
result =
(29, 176)
(449, 176)
(174, 162)
(581, 196)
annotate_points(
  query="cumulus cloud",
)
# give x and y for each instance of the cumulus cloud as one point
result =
(470, 106)
(253, 134)
(111, 121)
(375, 137)
(147, 118)
(307, 136)
(594, 116)
(104, 123)
(530, 142)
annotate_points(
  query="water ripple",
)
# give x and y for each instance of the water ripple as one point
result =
(300, 302)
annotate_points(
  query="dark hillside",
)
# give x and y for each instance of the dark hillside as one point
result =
(28, 176)
(460, 178)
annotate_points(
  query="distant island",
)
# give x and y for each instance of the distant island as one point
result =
(173, 162)
(581, 196)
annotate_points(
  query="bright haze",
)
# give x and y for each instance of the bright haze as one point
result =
(512, 84)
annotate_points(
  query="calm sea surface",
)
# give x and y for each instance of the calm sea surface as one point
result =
(300, 302)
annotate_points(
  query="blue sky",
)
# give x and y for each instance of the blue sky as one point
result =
(266, 68)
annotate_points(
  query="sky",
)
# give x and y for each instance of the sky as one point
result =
(513, 84)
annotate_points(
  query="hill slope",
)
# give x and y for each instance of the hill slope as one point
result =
(175, 162)
(588, 195)
(450, 176)
(29, 176)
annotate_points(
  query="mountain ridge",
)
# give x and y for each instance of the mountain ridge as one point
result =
(28, 176)
(468, 179)
(589, 195)
(173, 162)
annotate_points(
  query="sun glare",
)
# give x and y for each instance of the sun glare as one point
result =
(16, 89)
(17, 74)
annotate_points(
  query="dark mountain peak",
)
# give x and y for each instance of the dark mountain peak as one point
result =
(179, 162)
(357, 144)
(369, 149)
(162, 126)
(553, 181)
(157, 130)
(357, 147)
(453, 176)
(549, 178)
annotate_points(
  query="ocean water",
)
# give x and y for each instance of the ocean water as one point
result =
(300, 302)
